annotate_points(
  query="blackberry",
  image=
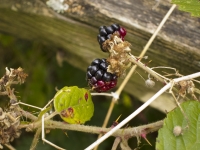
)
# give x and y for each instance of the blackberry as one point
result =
(98, 78)
(106, 32)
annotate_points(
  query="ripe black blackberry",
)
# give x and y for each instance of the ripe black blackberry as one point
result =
(106, 32)
(98, 78)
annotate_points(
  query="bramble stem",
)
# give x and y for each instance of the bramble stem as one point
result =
(126, 132)
(116, 143)
(35, 139)
(10, 146)
(147, 69)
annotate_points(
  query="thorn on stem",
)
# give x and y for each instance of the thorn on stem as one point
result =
(143, 135)
(147, 63)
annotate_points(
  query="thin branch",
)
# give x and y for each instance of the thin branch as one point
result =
(10, 146)
(147, 69)
(178, 104)
(102, 94)
(116, 143)
(108, 114)
(26, 114)
(28, 105)
(51, 115)
(36, 139)
(37, 123)
(124, 145)
(125, 133)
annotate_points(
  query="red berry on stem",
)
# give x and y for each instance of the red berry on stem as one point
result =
(122, 32)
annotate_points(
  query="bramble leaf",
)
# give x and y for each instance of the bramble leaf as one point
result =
(74, 104)
(188, 138)
(191, 6)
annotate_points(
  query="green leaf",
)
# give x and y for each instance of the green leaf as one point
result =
(189, 139)
(191, 6)
(74, 104)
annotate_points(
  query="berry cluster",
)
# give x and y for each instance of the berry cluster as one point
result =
(98, 78)
(106, 32)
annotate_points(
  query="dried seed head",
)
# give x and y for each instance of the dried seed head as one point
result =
(177, 130)
(149, 83)
(190, 90)
(191, 87)
(12, 76)
(119, 54)
(9, 122)
(186, 86)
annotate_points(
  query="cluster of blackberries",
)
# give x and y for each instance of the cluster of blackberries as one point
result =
(98, 78)
(106, 32)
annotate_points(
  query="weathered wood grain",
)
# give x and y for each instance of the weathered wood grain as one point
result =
(177, 45)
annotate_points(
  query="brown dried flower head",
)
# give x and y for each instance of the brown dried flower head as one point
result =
(12, 76)
(9, 123)
(118, 54)
(186, 86)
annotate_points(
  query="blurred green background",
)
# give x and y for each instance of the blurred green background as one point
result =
(44, 75)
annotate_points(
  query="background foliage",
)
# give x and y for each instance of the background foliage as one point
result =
(191, 6)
